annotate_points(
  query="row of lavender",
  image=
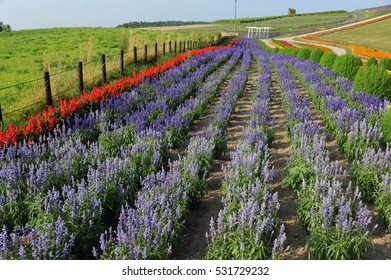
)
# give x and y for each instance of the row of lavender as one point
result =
(336, 218)
(354, 119)
(58, 195)
(246, 226)
(149, 230)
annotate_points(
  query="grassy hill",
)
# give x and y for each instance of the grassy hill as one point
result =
(375, 35)
(291, 22)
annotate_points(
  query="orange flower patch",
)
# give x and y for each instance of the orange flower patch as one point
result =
(358, 50)
(309, 45)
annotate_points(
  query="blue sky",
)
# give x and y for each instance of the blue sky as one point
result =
(32, 14)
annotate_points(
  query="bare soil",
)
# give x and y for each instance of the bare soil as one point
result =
(193, 243)
(280, 152)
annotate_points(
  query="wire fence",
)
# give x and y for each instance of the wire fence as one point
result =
(72, 81)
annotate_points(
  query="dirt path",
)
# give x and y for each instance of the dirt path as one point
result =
(193, 243)
(280, 152)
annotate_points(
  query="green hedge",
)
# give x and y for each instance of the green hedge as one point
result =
(386, 126)
(328, 60)
(316, 54)
(385, 63)
(304, 53)
(374, 80)
(372, 62)
(347, 65)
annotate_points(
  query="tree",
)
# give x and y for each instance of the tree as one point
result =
(291, 11)
(4, 27)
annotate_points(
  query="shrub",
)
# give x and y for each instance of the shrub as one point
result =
(385, 63)
(316, 54)
(347, 65)
(292, 51)
(386, 126)
(304, 53)
(374, 80)
(328, 60)
(372, 62)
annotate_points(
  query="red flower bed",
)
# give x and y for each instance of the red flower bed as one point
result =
(52, 116)
(286, 44)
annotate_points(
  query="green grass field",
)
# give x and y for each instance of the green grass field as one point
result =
(375, 35)
(24, 55)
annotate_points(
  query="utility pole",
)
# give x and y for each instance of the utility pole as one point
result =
(235, 17)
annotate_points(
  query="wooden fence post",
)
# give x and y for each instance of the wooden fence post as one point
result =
(145, 54)
(48, 89)
(80, 74)
(156, 51)
(175, 46)
(135, 55)
(1, 115)
(180, 46)
(122, 64)
(164, 48)
(184, 46)
(170, 47)
(104, 74)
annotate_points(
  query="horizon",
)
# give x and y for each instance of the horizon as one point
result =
(43, 14)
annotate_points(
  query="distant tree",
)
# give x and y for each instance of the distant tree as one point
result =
(291, 11)
(4, 27)
(136, 24)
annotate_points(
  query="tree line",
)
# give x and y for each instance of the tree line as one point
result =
(140, 24)
(291, 13)
(4, 27)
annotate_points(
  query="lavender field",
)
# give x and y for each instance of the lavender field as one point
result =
(234, 154)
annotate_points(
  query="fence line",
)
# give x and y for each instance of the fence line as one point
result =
(81, 66)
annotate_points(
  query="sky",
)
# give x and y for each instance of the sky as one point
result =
(33, 14)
